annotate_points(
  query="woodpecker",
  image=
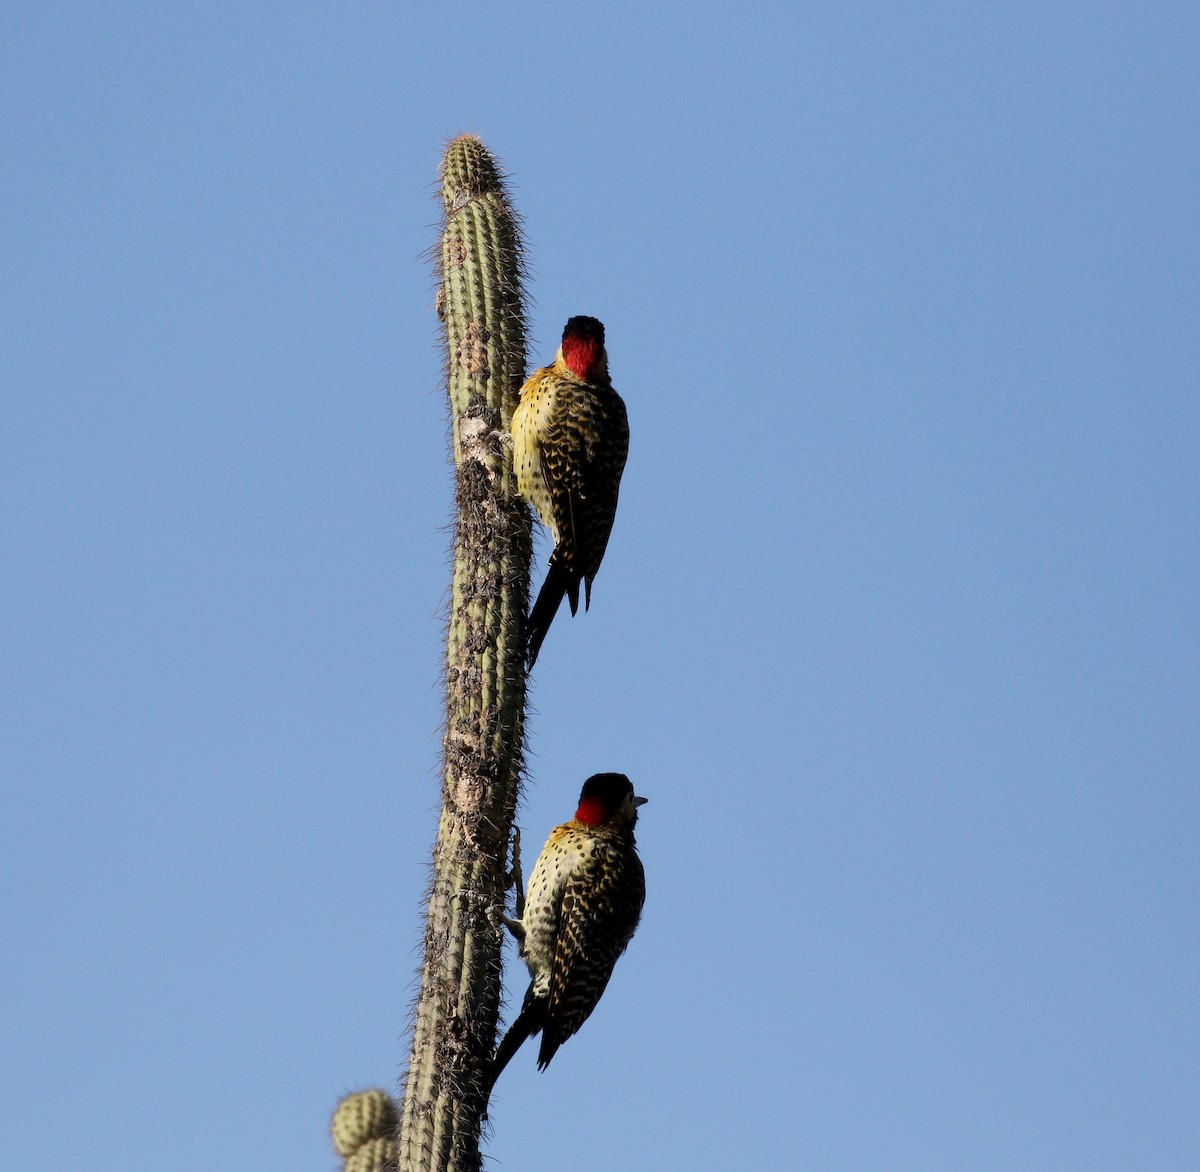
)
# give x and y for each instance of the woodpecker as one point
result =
(570, 439)
(584, 901)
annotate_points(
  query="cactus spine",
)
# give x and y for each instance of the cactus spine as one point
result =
(480, 304)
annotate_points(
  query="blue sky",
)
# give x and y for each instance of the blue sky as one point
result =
(896, 629)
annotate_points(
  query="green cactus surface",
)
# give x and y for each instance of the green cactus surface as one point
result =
(363, 1116)
(482, 311)
(376, 1155)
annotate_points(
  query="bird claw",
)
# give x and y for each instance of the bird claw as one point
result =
(496, 914)
(516, 928)
(515, 876)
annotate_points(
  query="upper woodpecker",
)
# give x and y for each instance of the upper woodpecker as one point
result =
(570, 439)
(584, 902)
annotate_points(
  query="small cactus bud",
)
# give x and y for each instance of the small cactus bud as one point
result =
(376, 1155)
(361, 1118)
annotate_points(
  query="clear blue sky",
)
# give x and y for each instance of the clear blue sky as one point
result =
(897, 628)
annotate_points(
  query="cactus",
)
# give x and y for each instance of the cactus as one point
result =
(480, 304)
(376, 1155)
(364, 1117)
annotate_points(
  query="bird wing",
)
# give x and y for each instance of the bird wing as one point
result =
(582, 457)
(601, 907)
(565, 477)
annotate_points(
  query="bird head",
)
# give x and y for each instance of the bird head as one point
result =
(605, 796)
(582, 348)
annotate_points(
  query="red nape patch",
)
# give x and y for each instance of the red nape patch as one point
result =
(592, 811)
(580, 353)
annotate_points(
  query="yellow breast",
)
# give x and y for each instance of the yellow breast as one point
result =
(529, 423)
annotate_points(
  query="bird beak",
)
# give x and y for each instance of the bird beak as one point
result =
(639, 801)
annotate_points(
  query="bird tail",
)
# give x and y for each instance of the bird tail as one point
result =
(549, 1047)
(559, 582)
(529, 1021)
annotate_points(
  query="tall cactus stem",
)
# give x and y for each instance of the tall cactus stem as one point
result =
(481, 306)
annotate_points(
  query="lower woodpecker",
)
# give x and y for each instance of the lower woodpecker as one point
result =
(584, 901)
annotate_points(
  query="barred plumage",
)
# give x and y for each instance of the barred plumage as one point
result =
(570, 441)
(584, 901)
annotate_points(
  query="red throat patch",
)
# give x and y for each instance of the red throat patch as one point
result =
(580, 353)
(592, 811)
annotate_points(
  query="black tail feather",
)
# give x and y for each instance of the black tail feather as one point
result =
(557, 584)
(549, 1047)
(529, 1021)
